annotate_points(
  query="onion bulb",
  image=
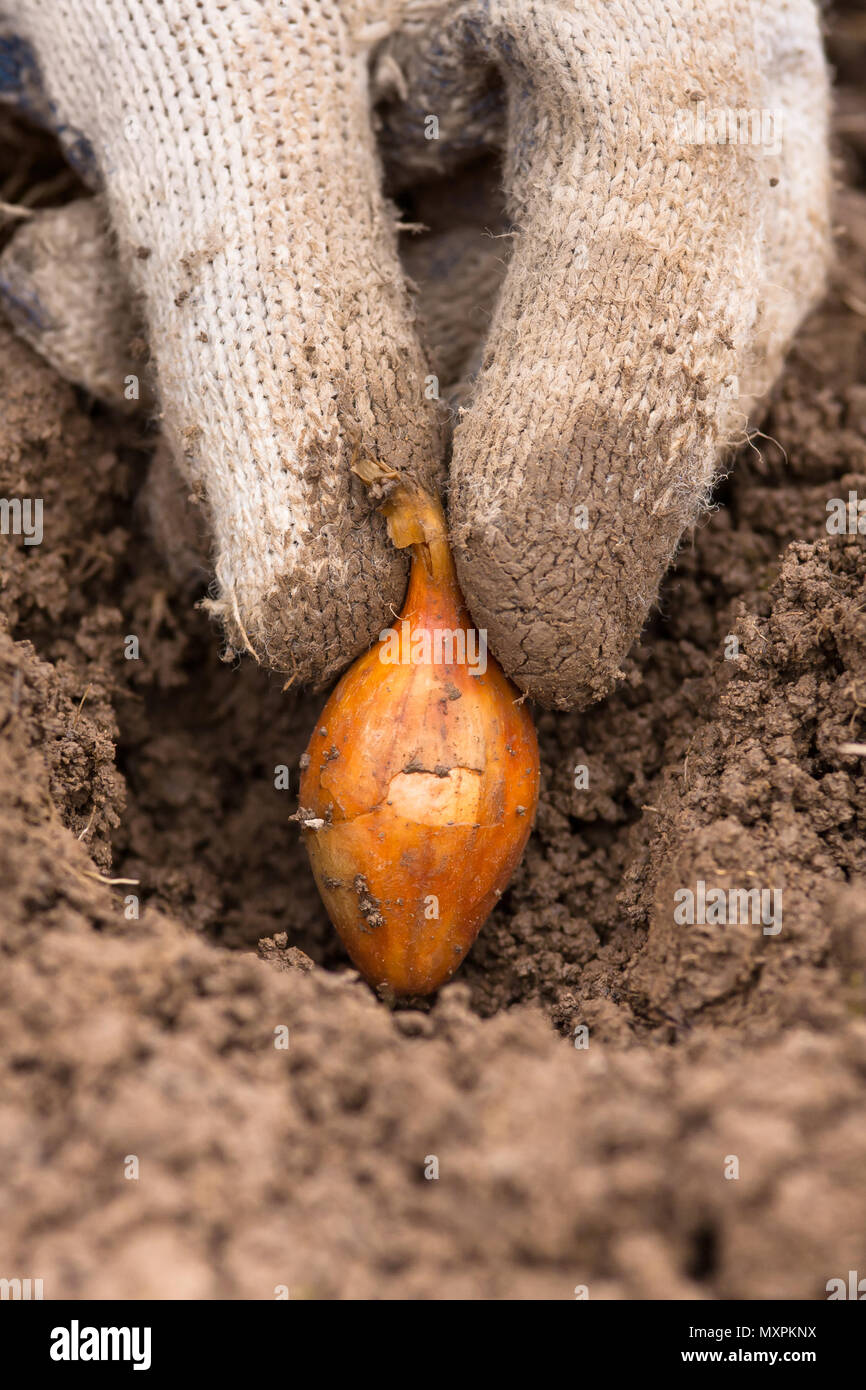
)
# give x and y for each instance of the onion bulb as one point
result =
(420, 782)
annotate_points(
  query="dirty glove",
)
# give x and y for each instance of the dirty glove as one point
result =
(665, 173)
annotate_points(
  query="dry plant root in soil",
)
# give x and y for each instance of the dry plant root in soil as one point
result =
(420, 781)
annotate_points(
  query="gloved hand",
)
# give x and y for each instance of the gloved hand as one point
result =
(656, 277)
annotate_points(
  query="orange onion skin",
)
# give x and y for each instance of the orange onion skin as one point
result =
(419, 789)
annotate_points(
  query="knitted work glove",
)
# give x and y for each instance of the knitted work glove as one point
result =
(666, 184)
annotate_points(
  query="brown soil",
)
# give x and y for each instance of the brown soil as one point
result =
(559, 1166)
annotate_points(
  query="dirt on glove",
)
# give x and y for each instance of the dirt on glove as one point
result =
(200, 1099)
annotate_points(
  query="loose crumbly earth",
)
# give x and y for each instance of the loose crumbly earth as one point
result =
(559, 1166)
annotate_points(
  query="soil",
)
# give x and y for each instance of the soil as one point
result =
(156, 1137)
